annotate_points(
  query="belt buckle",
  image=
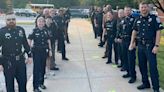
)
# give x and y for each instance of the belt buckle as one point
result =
(143, 42)
(17, 58)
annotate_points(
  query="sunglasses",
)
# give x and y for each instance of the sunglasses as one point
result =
(11, 19)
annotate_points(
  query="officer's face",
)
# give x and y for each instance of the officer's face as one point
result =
(46, 12)
(40, 22)
(121, 13)
(52, 13)
(109, 16)
(10, 21)
(48, 21)
(127, 11)
(144, 9)
(61, 12)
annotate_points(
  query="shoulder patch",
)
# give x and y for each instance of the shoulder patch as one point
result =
(158, 19)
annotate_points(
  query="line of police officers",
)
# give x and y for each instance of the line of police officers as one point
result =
(40, 46)
(128, 33)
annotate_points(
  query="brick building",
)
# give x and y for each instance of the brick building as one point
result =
(160, 13)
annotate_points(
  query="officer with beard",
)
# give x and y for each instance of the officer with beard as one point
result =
(12, 40)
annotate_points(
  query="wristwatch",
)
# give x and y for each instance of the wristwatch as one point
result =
(156, 45)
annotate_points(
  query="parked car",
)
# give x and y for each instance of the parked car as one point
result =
(25, 12)
(82, 13)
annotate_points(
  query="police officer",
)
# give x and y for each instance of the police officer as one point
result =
(52, 28)
(98, 20)
(147, 32)
(128, 55)
(12, 40)
(110, 28)
(41, 49)
(118, 39)
(67, 16)
(60, 33)
(92, 15)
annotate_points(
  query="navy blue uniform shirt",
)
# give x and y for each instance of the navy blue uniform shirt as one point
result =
(40, 37)
(127, 25)
(13, 40)
(111, 28)
(146, 27)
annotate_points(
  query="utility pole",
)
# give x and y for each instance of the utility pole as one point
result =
(9, 5)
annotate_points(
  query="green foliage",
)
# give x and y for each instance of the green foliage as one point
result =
(2, 4)
(160, 65)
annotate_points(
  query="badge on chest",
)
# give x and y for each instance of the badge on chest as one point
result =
(8, 36)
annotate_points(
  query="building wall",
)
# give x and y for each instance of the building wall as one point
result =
(161, 15)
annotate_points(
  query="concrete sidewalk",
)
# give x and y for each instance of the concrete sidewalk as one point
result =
(86, 71)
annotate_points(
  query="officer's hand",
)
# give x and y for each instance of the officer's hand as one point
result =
(29, 61)
(50, 53)
(119, 40)
(1, 68)
(155, 50)
(116, 40)
(96, 25)
(103, 38)
(132, 46)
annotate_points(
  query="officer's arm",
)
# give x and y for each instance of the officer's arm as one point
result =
(158, 36)
(49, 44)
(104, 18)
(133, 37)
(26, 45)
(159, 27)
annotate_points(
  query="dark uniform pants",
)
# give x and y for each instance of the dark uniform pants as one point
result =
(52, 60)
(99, 30)
(66, 33)
(129, 58)
(15, 69)
(132, 62)
(94, 29)
(39, 60)
(61, 45)
(119, 52)
(145, 54)
(110, 45)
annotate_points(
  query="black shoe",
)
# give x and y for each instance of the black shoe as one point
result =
(59, 51)
(123, 69)
(66, 59)
(108, 62)
(54, 68)
(132, 80)
(100, 45)
(119, 66)
(104, 56)
(37, 90)
(43, 86)
(126, 76)
(143, 86)
(156, 90)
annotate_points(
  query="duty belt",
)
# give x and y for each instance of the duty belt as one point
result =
(145, 42)
(13, 56)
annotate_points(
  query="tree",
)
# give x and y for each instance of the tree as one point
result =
(159, 4)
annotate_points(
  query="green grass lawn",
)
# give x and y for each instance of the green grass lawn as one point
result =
(161, 65)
